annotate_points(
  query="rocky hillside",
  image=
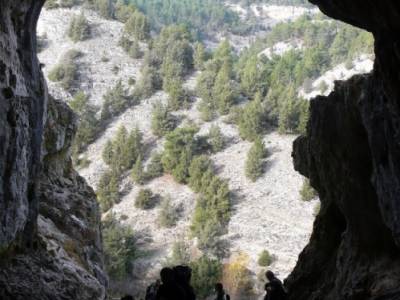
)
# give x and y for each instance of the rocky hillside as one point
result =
(267, 214)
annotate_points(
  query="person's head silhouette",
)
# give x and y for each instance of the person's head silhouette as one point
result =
(270, 275)
(219, 288)
(167, 275)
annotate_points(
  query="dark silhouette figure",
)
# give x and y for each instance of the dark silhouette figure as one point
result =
(219, 290)
(183, 275)
(169, 289)
(151, 291)
(274, 288)
(127, 297)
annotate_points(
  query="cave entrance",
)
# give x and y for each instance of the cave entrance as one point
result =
(186, 138)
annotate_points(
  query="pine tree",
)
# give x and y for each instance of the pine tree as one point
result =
(137, 174)
(138, 26)
(79, 28)
(199, 56)
(254, 162)
(224, 90)
(108, 153)
(144, 199)
(250, 77)
(216, 139)
(155, 167)
(198, 167)
(162, 121)
(252, 119)
(168, 215)
(108, 190)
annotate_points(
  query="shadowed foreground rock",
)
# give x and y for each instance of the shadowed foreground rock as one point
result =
(351, 154)
(50, 240)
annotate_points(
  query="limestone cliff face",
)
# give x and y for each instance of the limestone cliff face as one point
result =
(50, 240)
(351, 154)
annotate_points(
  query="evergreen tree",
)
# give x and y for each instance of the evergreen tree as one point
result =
(199, 56)
(224, 90)
(162, 121)
(138, 26)
(108, 190)
(155, 168)
(198, 167)
(123, 11)
(250, 77)
(254, 162)
(252, 119)
(137, 174)
(144, 199)
(216, 139)
(205, 273)
(115, 101)
(168, 215)
(79, 28)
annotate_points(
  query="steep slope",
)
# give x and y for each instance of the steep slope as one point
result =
(50, 236)
(351, 154)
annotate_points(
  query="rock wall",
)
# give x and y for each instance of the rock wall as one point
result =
(351, 153)
(50, 238)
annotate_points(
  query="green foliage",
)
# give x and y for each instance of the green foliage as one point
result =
(200, 16)
(116, 100)
(66, 71)
(123, 11)
(198, 167)
(178, 96)
(307, 193)
(51, 4)
(124, 150)
(252, 119)
(155, 168)
(255, 160)
(180, 254)
(130, 47)
(108, 190)
(168, 215)
(180, 146)
(144, 199)
(137, 26)
(216, 139)
(105, 8)
(149, 82)
(162, 121)
(138, 175)
(88, 123)
(199, 56)
(265, 259)
(205, 273)
(79, 28)
(120, 249)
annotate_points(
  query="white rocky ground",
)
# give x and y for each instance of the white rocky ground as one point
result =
(267, 214)
(281, 48)
(362, 65)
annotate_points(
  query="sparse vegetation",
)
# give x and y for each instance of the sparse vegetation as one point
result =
(168, 215)
(144, 199)
(265, 259)
(205, 273)
(79, 28)
(255, 160)
(66, 71)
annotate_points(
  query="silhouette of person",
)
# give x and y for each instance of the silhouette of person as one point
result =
(183, 275)
(219, 290)
(127, 297)
(274, 287)
(169, 289)
(151, 291)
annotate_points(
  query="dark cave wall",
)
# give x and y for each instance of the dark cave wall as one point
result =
(351, 153)
(50, 230)
(22, 105)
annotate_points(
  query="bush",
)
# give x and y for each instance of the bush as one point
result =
(254, 162)
(108, 190)
(162, 121)
(307, 193)
(79, 28)
(252, 120)
(180, 254)
(144, 199)
(120, 248)
(237, 277)
(168, 215)
(155, 168)
(205, 273)
(198, 167)
(137, 174)
(265, 259)
(116, 100)
(216, 139)
(66, 71)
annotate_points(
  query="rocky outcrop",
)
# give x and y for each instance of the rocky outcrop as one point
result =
(351, 154)
(50, 240)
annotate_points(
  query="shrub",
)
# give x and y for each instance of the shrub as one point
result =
(137, 174)
(168, 215)
(198, 167)
(180, 254)
(116, 100)
(120, 249)
(252, 120)
(265, 259)
(66, 71)
(144, 199)
(307, 193)
(155, 168)
(79, 28)
(108, 190)
(216, 139)
(237, 277)
(162, 121)
(205, 273)
(254, 163)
